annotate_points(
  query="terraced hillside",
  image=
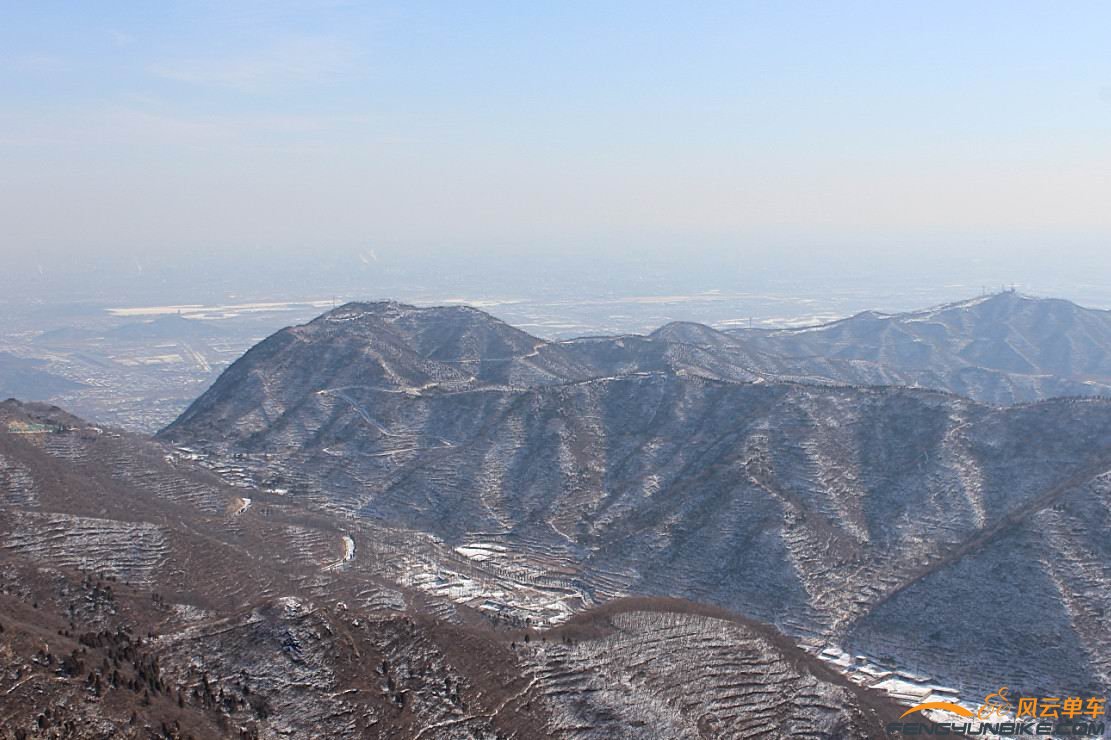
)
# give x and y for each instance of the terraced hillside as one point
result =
(142, 596)
(707, 673)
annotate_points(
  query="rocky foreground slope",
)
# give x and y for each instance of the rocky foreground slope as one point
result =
(142, 596)
(913, 525)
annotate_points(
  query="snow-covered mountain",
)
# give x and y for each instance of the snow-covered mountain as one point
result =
(399, 522)
(1003, 348)
(692, 463)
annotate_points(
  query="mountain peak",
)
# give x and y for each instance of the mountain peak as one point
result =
(690, 332)
(1005, 299)
(358, 309)
(391, 310)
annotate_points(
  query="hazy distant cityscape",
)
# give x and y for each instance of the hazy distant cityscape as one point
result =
(139, 365)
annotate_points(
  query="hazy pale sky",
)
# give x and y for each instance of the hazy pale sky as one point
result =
(157, 127)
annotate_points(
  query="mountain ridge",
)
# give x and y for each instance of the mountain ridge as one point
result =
(1002, 348)
(669, 471)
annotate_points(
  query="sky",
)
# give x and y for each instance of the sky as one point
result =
(792, 131)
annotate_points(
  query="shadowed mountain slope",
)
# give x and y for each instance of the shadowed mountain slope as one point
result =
(812, 507)
(141, 596)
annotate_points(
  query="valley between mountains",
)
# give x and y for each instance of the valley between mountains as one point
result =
(422, 522)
